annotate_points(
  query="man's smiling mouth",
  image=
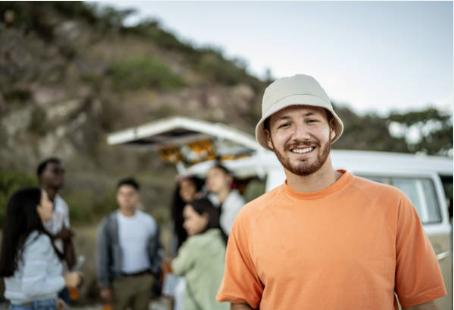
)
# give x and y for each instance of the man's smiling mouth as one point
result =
(302, 151)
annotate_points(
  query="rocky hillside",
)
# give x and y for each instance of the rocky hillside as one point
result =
(71, 73)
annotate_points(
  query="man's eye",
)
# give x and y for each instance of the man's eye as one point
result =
(283, 125)
(312, 121)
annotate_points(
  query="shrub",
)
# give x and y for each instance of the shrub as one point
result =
(11, 181)
(86, 208)
(218, 69)
(144, 72)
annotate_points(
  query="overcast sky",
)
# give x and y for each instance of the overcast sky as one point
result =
(373, 56)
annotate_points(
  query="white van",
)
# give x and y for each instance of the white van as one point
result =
(193, 145)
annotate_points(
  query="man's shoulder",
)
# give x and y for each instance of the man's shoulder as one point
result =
(60, 203)
(383, 194)
(148, 221)
(364, 184)
(59, 199)
(108, 219)
(146, 217)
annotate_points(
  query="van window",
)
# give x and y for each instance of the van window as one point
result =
(446, 180)
(421, 192)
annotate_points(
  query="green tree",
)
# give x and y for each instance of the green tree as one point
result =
(143, 72)
(431, 130)
(11, 181)
(367, 132)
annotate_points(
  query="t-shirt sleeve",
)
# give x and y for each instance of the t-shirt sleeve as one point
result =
(66, 215)
(241, 283)
(418, 274)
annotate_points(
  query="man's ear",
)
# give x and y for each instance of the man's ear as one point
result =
(332, 129)
(268, 139)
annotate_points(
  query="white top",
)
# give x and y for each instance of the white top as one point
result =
(133, 235)
(230, 208)
(38, 275)
(60, 217)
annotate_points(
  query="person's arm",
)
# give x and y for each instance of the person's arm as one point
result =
(240, 307)
(156, 252)
(418, 277)
(241, 283)
(69, 253)
(102, 254)
(431, 305)
(184, 261)
(103, 262)
(66, 234)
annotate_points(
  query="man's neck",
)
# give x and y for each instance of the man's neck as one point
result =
(127, 212)
(51, 192)
(319, 180)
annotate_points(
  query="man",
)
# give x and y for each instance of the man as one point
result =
(219, 182)
(128, 252)
(51, 177)
(324, 239)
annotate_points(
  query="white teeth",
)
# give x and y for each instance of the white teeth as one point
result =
(302, 151)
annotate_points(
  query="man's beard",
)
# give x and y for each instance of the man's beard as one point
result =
(303, 167)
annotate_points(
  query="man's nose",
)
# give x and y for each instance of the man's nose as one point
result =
(301, 132)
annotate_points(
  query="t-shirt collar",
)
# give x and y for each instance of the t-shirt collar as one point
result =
(337, 186)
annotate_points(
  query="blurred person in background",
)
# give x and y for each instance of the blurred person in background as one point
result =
(51, 177)
(201, 258)
(29, 260)
(128, 252)
(219, 183)
(188, 188)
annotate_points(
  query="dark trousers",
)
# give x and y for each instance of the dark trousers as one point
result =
(133, 292)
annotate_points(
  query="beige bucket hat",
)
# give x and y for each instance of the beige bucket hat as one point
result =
(299, 89)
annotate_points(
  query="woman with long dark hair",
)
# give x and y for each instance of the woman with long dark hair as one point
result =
(29, 262)
(187, 189)
(201, 257)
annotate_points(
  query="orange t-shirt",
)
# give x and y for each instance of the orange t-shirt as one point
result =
(349, 246)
